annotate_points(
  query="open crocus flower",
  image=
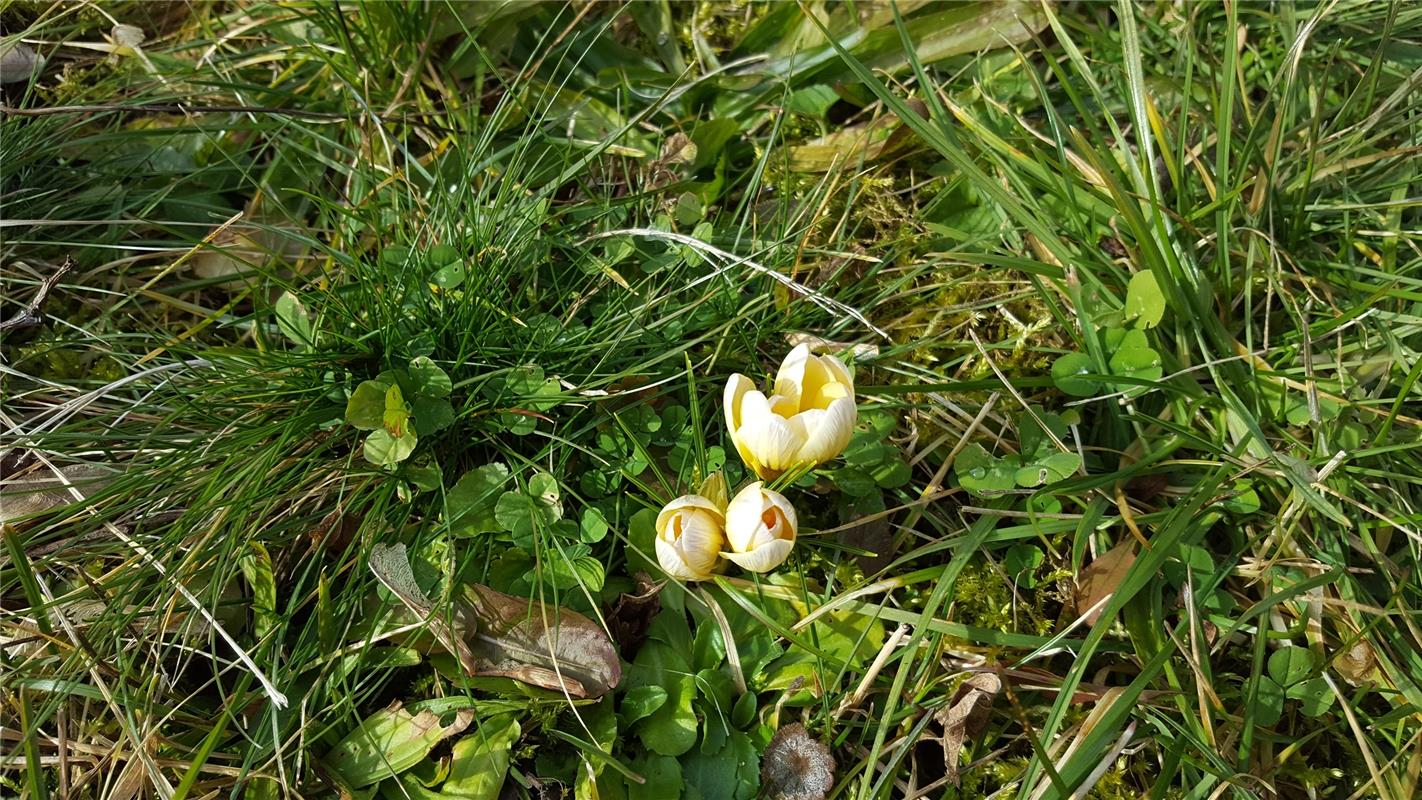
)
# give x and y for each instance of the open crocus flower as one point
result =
(760, 527)
(807, 421)
(690, 536)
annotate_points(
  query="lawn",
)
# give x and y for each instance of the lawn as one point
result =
(718, 400)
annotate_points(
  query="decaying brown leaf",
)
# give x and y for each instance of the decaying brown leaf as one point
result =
(498, 635)
(23, 497)
(547, 646)
(1102, 577)
(966, 717)
(629, 617)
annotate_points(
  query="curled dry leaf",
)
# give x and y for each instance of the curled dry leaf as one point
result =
(493, 634)
(819, 344)
(18, 62)
(631, 615)
(547, 646)
(966, 717)
(795, 766)
(23, 497)
(1101, 578)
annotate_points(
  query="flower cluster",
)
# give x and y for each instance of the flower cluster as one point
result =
(807, 420)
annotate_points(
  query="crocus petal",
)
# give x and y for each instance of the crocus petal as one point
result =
(839, 372)
(782, 502)
(736, 387)
(765, 440)
(826, 432)
(743, 519)
(684, 502)
(764, 558)
(790, 379)
(675, 565)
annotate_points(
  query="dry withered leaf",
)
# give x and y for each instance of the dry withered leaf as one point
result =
(795, 766)
(966, 717)
(1102, 577)
(498, 635)
(42, 491)
(547, 646)
(873, 536)
(1147, 487)
(631, 615)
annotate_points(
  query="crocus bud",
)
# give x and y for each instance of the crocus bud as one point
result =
(690, 536)
(807, 421)
(760, 528)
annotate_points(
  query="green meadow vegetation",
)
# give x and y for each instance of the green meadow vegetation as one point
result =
(352, 350)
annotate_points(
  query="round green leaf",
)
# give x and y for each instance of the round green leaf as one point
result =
(592, 527)
(1021, 562)
(1067, 373)
(366, 407)
(1290, 665)
(1144, 301)
(385, 450)
(431, 414)
(429, 380)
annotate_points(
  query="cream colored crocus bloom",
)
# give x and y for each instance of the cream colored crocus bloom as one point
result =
(690, 536)
(807, 421)
(760, 528)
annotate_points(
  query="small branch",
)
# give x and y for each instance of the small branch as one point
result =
(33, 314)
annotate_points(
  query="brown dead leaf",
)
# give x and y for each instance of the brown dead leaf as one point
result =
(631, 615)
(493, 634)
(1102, 577)
(966, 717)
(555, 648)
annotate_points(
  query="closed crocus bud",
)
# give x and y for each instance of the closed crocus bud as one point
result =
(690, 536)
(807, 421)
(760, 528)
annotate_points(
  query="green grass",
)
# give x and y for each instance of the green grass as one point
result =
(1247, 421)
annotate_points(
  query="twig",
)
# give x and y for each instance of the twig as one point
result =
(33, 314)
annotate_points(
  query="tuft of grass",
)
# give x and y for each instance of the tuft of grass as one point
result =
(266, 201)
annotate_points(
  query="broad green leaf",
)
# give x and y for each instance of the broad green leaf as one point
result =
(431, 415)
(256, 567)
(385, 450)
(1020, 562)
(397, 415)
(366, 407)
(731, 773)
(853, 481)
(1269, 703)
(1067, 372)
(592, 526)
(471, 501)
(670, 730)
(980, 473)
(480, 760)
(1144, 301)
(1314, 696)
(387, 743)
(293, 320)
(892, 474)
(662, 776)
(1290, 665)
(429, 379)
(640, 702)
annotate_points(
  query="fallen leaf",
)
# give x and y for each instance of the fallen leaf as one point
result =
(1101, 578)
(18, 62)
(631, 615)
(24, 497)
(547, 646)
(498, 635)
(966, 717)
